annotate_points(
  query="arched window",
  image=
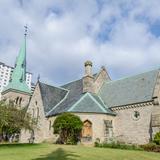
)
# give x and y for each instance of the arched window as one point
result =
(50, 125)
(37, 112)
(108, 129)
(33, 112)
(17, 100)
(87, 131)
(36, 103)
(20, 101)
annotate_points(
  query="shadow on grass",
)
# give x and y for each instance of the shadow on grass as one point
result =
(58, 154)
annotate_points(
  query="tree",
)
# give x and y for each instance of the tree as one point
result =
(69, 127)
(12, 120)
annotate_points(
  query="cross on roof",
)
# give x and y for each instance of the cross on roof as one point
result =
(25, 30)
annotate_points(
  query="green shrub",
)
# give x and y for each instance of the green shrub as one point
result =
(117, 146)
(157, 138)
(151, 147)
(69, 127)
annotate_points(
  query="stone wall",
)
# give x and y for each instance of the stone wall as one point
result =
(13, 95)
(98, 129)
(44, 130)
(100, 79)
(156, 108)
(45, 133)
(130, 130)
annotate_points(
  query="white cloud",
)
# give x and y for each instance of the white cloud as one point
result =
(63, 34)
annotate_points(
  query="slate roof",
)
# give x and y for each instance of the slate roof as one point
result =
(51, 96)
(75, 95)
(130, 90)
(70, 97)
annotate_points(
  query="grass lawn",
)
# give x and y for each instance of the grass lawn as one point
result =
(62, 152)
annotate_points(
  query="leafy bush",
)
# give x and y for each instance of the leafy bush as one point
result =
(151, 147)
(69, 127)
(118, 146)
(157, 138)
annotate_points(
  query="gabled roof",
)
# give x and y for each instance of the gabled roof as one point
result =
(76, 101)
(74, 94)
(130, 90)
(90, 103)
(70, 97)
(51, 95)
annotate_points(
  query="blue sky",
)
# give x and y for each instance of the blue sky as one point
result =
(122, 35)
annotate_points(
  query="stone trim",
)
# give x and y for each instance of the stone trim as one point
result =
(157, 86)
(132, 105)
(14, 90)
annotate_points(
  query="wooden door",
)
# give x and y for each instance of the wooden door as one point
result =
(87, 129)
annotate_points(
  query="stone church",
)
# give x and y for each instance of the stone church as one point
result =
(125, 110)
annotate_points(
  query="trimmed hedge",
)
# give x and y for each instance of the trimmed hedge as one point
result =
(118, 146)
(151, 147)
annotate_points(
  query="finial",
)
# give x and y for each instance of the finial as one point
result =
(38, 78)
(25, 30)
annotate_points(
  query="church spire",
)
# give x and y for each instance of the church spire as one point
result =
(18, 77)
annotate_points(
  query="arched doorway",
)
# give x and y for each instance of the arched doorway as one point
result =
(87, 131)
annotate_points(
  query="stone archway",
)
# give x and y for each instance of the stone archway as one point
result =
(87, 131)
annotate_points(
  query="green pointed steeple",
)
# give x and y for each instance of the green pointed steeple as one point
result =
(18, 77)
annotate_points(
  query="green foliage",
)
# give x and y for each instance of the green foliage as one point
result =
(157, 138)
(12, 120)
(151, 147)
(69, 127)
(117, 146)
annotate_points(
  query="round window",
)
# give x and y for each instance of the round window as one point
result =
(136, 115)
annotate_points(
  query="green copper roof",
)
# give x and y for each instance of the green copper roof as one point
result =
(18, 77)
(90, 103)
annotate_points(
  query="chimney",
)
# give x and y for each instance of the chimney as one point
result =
(88, 79)
(88, 68)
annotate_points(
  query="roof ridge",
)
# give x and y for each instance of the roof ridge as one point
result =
(74, 105)
(105, 110)
(47, 114)
(127, 77)
(54, 86)
(75, 80)
(100, 106)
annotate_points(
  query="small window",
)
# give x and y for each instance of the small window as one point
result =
(20, 101)
(17, 100)
(136, 115)
(36, 103)
(50, 125)
(33, 112)
(37, 112)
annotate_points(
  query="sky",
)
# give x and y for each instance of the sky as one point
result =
(122, 35)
